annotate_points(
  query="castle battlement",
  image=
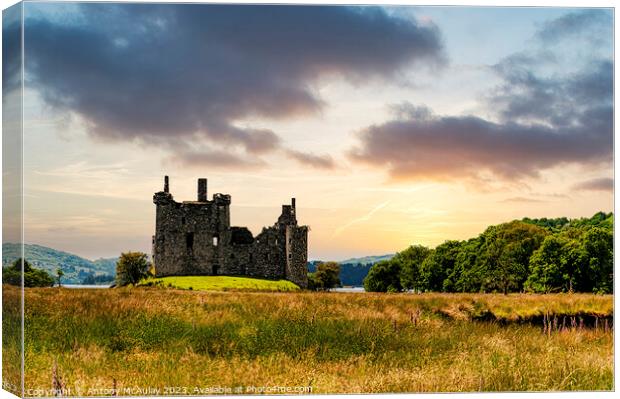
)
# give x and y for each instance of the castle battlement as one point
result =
(195, 238)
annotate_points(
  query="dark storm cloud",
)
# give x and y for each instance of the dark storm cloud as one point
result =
(560, 101)
(11, 53)
(168, 73)
(313, 160)
(448, 148)
(600, 184)
(574, 24)
(542, 121)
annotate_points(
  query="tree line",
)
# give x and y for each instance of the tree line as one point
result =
(528, 255)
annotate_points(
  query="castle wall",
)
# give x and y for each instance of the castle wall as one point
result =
(268, 254)
(190, 236)
(195, 238)
(297, 254)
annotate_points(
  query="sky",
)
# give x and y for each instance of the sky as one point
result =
(391, 126)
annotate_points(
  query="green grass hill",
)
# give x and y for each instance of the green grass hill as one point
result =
(76, 268)
(221, 283)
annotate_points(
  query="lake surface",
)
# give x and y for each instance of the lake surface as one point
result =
(340, 289)
(84, 286)
(347, 289)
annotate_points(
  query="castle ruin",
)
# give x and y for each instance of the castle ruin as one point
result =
(195, 238)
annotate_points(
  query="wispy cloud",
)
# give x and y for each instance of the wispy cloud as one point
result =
(600, 184)
(524, 200)
(324, 161)
(361, 219)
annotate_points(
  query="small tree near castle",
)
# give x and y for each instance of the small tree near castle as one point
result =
(131, 268)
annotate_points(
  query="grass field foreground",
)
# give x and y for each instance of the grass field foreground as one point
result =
(332, 342)
(221, 283)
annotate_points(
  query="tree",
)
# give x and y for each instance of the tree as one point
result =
(384, 276)
(326, 276)
(506, 253)
(410, 261)
(437, 266)
(546, 266)
(468, 274)
(59, 274)
(131, 268)
(598, 244)
(32, 277)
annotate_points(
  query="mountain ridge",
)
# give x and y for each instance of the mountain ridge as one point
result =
(74, 267)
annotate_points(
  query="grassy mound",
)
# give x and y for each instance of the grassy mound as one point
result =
(221, 283)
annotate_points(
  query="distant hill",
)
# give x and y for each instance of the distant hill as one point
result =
(76, 269)
(368, 260)
(354, 270)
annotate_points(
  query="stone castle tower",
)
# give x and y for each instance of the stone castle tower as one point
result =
(195, 238)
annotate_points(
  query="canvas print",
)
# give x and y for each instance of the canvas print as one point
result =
(204, 199)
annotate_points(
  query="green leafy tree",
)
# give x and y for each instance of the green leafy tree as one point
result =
(131, 268)
(546, 266)
(326, 276)
(598, 244)
(59, 274)
(33, 277)
(506, 253)
(410, 260)
(437, 266)
(313, 283)
(383, 276)
(468, 274)
(551, 224)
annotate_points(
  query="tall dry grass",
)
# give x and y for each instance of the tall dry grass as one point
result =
(333, 342)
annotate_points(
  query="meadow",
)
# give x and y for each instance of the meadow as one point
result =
(165, 341)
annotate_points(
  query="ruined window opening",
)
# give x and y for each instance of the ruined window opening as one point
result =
(290, 256)
(216, 240)
(215, 269)
(276, 241)
(290, 240)
(182, 220)
(189, 241)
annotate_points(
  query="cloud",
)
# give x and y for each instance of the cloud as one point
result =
(450, 148)
(164, 74)
(575, 24)
(315, 161)
(526, 96)
(361, 219)
(11, 50)
(213, 159)
(523, 200)
(600, 184)
(545, 115)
